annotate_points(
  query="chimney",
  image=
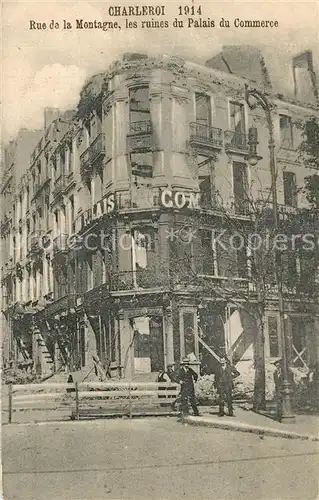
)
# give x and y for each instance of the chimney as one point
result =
(305, 84)
(50, 114)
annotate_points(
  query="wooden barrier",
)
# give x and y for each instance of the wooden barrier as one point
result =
(107, 399)
(82, 398)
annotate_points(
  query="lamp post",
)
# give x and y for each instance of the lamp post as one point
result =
(252, 158)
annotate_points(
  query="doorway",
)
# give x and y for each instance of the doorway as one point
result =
(148, 344)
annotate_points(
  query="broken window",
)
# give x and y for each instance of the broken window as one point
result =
(231, 254)
(290, 189)
(89, 261)
(142, 165)
(206, 181)
(144, 256)
(312, 137)
(240, 187)
(286, 134)
(203, 109)
(273, 336)
(140, 112)
(237, 117)
(189, 333)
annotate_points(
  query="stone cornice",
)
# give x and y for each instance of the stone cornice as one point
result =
(201, 76)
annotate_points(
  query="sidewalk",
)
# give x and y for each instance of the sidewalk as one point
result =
(306, 426)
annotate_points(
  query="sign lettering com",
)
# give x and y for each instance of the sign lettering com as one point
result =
(180, 199)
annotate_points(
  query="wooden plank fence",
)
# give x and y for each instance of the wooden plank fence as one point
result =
(94, 399)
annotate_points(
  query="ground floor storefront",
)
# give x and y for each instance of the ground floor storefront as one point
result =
(141, 334)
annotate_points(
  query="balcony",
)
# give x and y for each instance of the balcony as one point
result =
(94, 300)
(93, 155)
(205, 137)
(97, 148)
(235, 142)
(60, 244)
(227, 284)
(242, 207)
(35, 242)
(140, 138)
(40, 182)
(139, 280)
(85, 159)
(59, 186)
(62, 304)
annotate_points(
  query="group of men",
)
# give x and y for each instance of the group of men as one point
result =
(187, 377)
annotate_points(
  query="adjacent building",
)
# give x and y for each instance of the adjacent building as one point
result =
(111, 235)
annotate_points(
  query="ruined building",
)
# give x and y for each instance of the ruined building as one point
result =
(110, 222)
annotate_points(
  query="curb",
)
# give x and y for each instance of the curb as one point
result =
(253, 429)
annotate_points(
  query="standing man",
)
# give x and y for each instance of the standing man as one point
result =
(187, 377)
(224, 384)
(166, 376)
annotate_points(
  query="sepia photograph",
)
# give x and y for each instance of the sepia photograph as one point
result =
(159, 299)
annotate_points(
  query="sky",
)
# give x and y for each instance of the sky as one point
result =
(47, 68)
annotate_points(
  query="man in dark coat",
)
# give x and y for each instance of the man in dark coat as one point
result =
(224, 384)
(187, 377)
(167, 375)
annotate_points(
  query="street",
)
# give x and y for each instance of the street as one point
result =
(154, 458)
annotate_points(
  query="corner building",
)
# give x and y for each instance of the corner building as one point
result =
(121, 200)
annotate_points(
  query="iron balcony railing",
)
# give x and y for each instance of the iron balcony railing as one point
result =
(59, 185)
(40, 182)
(35, 241)
(61, 304)
(141, 127)
(95, 298)
(243, 207)
(97, 148)
(139, 279)
(94, 152)
(85, 158)
(227, 283)
(210, 136)
(236, 141)
(60, 243)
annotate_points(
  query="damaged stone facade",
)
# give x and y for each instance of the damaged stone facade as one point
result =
(108, 239)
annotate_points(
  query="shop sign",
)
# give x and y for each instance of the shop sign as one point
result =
(180, 199)
(105, 206)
